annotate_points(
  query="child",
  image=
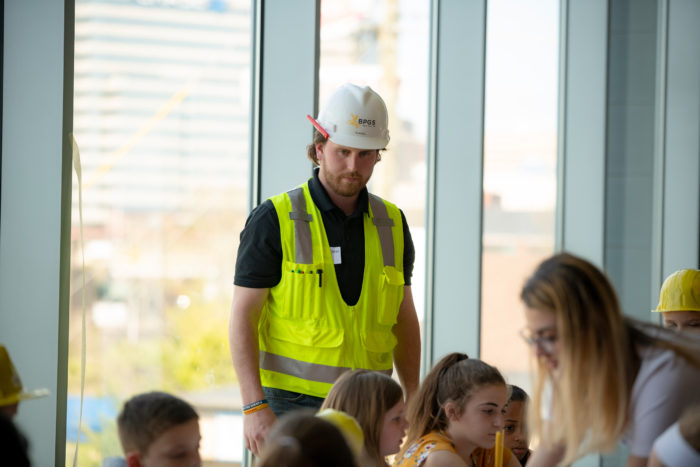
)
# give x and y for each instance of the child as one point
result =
(679, 300)
(516, 438)
(376, 402)
(454, 417)
(300, 439)
(159, 429)
(601, 377)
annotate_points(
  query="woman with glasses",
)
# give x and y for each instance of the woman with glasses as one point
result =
(601, 377)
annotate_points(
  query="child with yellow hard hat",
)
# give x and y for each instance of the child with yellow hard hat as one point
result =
(11, 391)
(679, 300)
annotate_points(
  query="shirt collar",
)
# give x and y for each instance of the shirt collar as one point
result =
(323, 201)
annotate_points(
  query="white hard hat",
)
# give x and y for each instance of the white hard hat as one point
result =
(355, 116)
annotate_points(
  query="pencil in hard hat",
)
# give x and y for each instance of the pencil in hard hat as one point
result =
(11, 390)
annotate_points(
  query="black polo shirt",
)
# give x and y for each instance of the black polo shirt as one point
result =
(259, 261)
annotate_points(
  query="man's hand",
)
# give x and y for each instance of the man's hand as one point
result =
(255, 428)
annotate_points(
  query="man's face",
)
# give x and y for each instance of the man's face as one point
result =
(345, 171)
(176, 447)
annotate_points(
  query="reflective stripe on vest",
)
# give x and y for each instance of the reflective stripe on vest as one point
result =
(384, 223)
(312, 371)
(303, 252)
(302, 233)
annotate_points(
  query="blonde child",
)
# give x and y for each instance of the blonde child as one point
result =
(376, 401)
(516, 438)
(679, 300)
(601, 377)
(454, 417)
(158, 429)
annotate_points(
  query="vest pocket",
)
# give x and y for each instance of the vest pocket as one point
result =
(379, 341)
(378, 347)
(391, 283)
(304, 333)
(303, 290)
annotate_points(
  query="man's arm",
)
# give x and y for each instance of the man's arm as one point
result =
(407, 350)
(243, 343)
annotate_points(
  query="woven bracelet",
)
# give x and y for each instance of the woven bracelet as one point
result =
(255, 406)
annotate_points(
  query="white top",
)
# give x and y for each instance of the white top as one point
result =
(673, 450)
(665, 385)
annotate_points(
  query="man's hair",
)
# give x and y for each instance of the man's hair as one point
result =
(311, 148)
(146, 416)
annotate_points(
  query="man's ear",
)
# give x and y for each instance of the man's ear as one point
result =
(319, 150)
(133, 459)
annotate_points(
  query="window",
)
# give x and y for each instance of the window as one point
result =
(519, 169)
(161, 117)
(384, 44)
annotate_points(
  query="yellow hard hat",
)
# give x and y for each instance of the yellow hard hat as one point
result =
(348, 426)
(680, 291)
(11, 390)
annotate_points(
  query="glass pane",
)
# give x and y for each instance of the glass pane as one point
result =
(519, 169)
(161, 112)
(384, 44)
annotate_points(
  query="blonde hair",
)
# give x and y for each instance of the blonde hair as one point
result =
(454, 379)
(598, 360)
(367, 396)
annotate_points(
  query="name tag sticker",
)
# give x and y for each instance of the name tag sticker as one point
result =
(335, 252)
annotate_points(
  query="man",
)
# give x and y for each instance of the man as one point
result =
(323, 273)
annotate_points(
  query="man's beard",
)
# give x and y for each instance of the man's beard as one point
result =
(340, 185)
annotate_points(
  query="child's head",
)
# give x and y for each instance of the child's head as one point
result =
(462, 396)
(300, 439)
(679, 300)
(376, 402)
(516, 438)
(159, 429)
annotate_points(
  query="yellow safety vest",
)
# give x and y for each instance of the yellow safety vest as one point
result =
(308, 335)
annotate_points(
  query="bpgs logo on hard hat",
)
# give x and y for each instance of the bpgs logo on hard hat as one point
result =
(358, 122)
(354, 116)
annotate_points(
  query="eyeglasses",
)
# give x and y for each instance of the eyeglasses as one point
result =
(545, 339)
